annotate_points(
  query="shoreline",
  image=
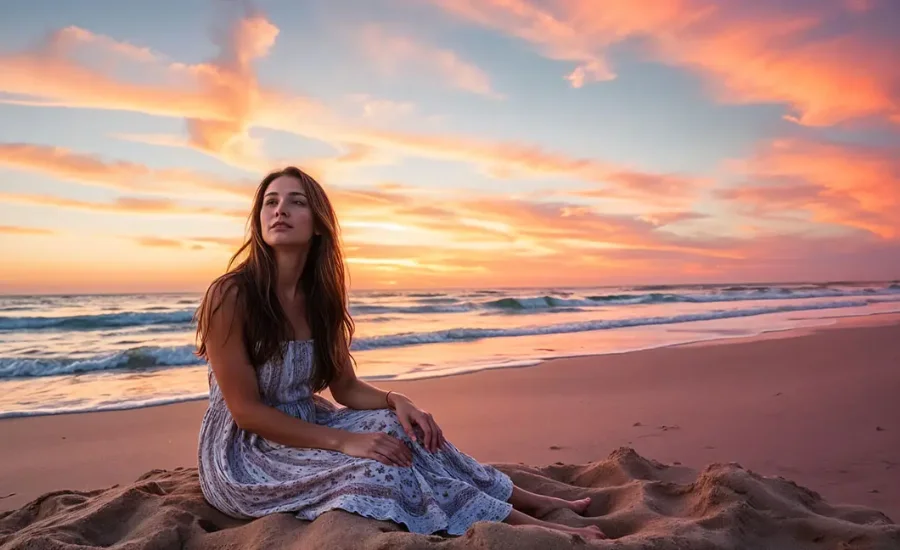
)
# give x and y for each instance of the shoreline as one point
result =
(796, 404)
(867, 319)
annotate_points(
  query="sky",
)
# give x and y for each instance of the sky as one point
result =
(464, 143)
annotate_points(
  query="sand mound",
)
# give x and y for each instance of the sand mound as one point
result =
(639, 502)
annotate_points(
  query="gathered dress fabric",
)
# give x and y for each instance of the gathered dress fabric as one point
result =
(247, 476)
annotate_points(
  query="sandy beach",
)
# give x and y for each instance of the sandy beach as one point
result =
(789, 440)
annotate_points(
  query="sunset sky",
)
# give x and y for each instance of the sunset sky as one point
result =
(465, 143)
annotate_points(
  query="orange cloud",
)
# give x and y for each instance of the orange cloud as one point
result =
(20, 230)
(392, 52)
(393, 210)
(749, 52)
(49, 77)
(121, 205)
(485, 228)
(438, 239)
(68, 165)
(228, 242)
(854, 186)
(159, 242)
(192, 243)
(219, 100)
(391, 214)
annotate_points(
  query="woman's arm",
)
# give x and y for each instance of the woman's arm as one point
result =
(351, 392)
(237, 380)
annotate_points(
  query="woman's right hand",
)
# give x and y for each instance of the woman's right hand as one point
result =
(380, 446)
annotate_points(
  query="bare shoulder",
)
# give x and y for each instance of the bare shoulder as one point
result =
(223, 309)
(225, 292)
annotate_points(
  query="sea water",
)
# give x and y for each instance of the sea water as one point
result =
(68, 353)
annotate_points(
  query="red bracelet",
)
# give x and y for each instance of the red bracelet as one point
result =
(388, 400)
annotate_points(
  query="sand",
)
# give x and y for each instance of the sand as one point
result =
(786, 441)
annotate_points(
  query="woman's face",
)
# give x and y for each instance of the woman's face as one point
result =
(286, 218)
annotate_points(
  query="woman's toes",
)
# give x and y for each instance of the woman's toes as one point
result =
(580, 506)
(591, 532)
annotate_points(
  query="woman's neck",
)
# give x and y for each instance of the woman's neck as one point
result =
(290, 265)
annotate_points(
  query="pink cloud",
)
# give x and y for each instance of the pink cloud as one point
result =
(392, 52)
(749, 53)
(853, 186)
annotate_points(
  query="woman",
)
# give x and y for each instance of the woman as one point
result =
(276, 330)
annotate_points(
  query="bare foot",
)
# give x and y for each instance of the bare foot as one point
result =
(552, 503)
(588, 533)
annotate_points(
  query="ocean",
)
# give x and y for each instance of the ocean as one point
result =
(72, 353)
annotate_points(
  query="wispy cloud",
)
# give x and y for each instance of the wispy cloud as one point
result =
(159, 242)
(22, 230)
(490, 227)
(394, 53)
(853, 186)
(120, 205)
(751, 53)
(188, 242)
(86, 169)
(73, 36)
(509, 160)
(555, 38)
(380, 108)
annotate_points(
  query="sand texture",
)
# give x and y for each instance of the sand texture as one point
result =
(815, 409)
(639, 502)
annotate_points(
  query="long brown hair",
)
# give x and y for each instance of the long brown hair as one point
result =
(323, 282)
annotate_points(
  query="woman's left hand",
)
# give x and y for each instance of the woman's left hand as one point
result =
(411, 416)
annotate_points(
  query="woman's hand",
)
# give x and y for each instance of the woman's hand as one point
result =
(411, 417)
(382, 447)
